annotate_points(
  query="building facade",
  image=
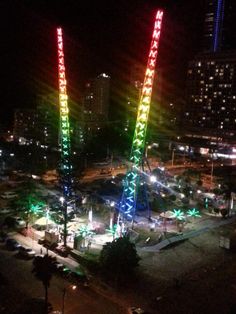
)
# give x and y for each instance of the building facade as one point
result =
(211, 77)
(211, 97)
(96, 101)
(25, 129)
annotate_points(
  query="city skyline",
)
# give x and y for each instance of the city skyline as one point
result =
(99, 37)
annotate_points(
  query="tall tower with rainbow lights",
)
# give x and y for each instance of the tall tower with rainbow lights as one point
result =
(65, 168)
(131, 183)
(65, 165)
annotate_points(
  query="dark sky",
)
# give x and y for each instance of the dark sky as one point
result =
(99, 36)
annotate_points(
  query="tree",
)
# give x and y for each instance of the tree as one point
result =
(29, 202)
(43, 268)
(119, 258)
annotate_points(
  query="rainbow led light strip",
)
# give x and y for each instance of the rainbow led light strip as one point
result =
(64, 120)
(128, 202)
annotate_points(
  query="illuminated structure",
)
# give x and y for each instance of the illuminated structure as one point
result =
(64, 121)
(131, 185)
(219, 22)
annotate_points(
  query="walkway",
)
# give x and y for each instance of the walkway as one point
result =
(187, 235)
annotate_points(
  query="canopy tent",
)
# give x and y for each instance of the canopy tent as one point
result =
(167, 214)
(43, 221)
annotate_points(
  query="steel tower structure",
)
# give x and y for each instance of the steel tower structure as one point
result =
(131, 183)
(65, 167)
(64, 133)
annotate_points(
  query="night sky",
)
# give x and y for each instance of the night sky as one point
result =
(99, 36)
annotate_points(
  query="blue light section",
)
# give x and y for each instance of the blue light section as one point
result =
(219, 15)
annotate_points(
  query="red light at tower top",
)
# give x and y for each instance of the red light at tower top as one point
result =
(150, 71)
(61, 63)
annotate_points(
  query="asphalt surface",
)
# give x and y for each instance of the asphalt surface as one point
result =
(22, 285)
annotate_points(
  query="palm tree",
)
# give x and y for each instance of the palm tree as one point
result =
(29, 202)
(43, 268)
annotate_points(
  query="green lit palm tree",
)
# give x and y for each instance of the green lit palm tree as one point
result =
(193, 213)
(85, 232)
(113, 231)
(178, 214)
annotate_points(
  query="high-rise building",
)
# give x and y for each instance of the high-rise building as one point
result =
(96, 100)
(211, 78)
(48, 119)
(211, 97)
(24, 129)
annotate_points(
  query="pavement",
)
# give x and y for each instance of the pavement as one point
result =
(206, 225)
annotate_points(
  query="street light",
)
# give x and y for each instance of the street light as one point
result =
(64, 207)
(153, 179)
(61, 199)
(73, 287)
(212, 169)
(149, 147)
(172, 157)
(112, 204)
(47, 217)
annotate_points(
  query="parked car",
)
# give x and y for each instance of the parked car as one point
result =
(41, 240)
(3, 236)
(26, 252)
(59, 267)
(136, 310)
(9, 195)
(4, 211)
(20, 222)
(62, 250)
(14, 222)
(78, 278)
(12, 244)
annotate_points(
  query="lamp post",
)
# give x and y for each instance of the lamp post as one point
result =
(64, 208)
(212, 169)
(47, 217)
(172, 157)
(149, 147)
(63, 297)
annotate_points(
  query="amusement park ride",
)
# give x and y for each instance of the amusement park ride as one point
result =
(65, 165)
(132, 186)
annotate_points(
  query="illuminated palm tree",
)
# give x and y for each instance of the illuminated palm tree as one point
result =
(113, 231)
(178, 214)
(193, 213)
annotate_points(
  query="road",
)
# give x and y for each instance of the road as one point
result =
(83, 300)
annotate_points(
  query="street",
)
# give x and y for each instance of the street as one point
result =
(83, 300)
